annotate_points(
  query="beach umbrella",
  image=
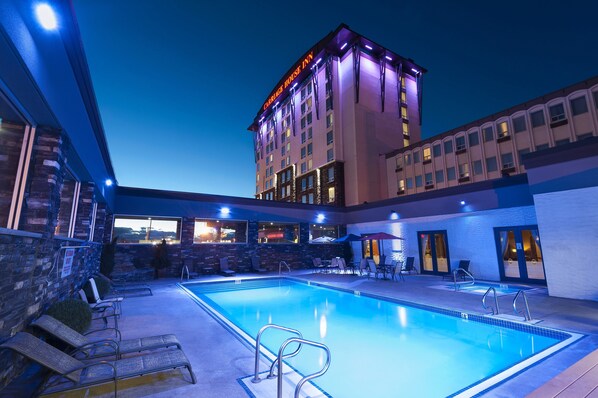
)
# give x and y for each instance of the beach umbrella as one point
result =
(347, 238)
(380, 236)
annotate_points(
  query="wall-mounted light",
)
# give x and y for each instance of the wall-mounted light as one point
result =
(368, 47)
(46, 17)
(462, 203)
(225, 211)
(318, 60)
(343, 46)
(388, 58)
(108, 182)
(394, 215)
(320, 217)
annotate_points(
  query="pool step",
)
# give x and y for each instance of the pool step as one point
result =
(267, 387)
(515, 318)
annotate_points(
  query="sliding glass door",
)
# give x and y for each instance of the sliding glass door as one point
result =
(520, 254)
(433, 252)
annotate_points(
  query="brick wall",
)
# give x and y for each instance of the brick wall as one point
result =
(30, 284)
(208, 255)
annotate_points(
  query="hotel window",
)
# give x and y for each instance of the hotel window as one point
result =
(330, 194)
(283, 150)
(418, 181)
(303, 135)
(303, 198)
(439, 176)
(220, 231)
(491, 164)
(282, 138)
(450, 174)
(69, 198)
(406, 128)
(537, 118)
(309, 133)
(328, 103)
(409, 183)
(330, 174)
(437, 150)
(303, 108)
(303, 184)
(309, 164)
(282, 162)
(146, 229)
(309, 118)
(329, 138)
(310, 198)
(522, 152)
(329, 121)
(283, 178)
(310, 148)
(403, 97)
(473, 138)
(507, 160)
(407, 159)
(399, 161)
(415, 157)
(488, 134)
(579, 105)
(464, 170)
(401, 184)
(270, 232)
(303, 122)
(557, 113)
(595, 95)
(427, 154)
(448, 147)
(310, 181)
(303, 167)
(428, 179)
(519, 124)
(502, 129)
(460, 142)
(329, 155)
(321, 233)
(303, 152)
(477, 167)
(404, 112)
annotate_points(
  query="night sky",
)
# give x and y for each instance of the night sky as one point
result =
(178, 82)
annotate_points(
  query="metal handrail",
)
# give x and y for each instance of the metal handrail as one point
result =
(308, 377)
(495, 300)
(256, 377)
(527, 314)
(455, 272)
(280, 264)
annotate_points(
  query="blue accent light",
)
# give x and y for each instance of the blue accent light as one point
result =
(462, 203)
(320, 217)
(46, 16)
(109, 182)
(394, 215)
(225, 210)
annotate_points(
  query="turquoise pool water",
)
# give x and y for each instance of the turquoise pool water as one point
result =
(379, 348)
(482, 287)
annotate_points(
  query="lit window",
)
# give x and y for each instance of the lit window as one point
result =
(427, 154)
(401, 183)
(220, 231)
(404, 112)
(464, 170)
(405, 128)
(331, 194)
(321, 233)
(403, 97)
(329, 121)
(503, 129)
(269, 232)
(146, 229)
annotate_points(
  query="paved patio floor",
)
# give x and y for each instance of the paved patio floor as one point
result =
(219, 359)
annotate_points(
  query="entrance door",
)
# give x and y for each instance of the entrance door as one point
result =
(369, 248)
(433, 252)
(520, 254)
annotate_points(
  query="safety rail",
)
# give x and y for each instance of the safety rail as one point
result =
(526, 314)
(306, 378)
(491, 289)
(256, 377)
(455, 272)
(281, 264)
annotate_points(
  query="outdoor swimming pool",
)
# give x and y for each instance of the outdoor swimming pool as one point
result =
(482, 287)
(380, 348)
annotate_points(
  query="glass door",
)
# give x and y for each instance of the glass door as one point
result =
(433, 252)
(520, 254)
(369, 248)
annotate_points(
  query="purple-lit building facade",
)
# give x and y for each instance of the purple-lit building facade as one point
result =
(319, 134)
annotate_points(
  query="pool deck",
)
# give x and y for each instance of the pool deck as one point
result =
(219, 359)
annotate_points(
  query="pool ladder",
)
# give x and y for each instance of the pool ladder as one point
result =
(281, 355)
(496, 310)
(283, 264)
(455, 272)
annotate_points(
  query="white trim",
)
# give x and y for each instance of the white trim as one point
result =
(21, 180)
(74, 208)
(92, 224)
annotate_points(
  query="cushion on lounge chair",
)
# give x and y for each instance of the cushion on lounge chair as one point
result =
(76, 340)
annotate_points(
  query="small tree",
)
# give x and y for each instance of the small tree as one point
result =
(107, 257)
(160, 260)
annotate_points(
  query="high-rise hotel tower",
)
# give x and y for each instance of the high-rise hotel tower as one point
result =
(321, 134)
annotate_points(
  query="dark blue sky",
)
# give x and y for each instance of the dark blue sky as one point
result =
(178, 82)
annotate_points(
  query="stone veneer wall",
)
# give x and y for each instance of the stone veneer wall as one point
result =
(31, 281)
(201, 255)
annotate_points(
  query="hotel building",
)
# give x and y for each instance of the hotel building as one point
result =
(319, 134)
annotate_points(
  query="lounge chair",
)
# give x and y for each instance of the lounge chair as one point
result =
(318, 266)
(255, 265)
(342, 266)
(333, 264)
(103, 311)
(397, 271)
(224, 270)
(125, 290)
(363, 266)
(90, 348)
(459, 271)
(99, 300)
(71, 374)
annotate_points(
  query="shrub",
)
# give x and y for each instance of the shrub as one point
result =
(74, 313)
(107, 257)
(160, 260)
(103, 286)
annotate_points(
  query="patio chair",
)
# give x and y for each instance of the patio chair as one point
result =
(333, 264)
(409, 266)
(99, 300)
(342, 265)
(103, 311)
(363, 266)
(90, 348)
(69, 373)
(224, 270)
(458, 272)
(129, 289)
(372, 268)
(255, 265)
(397, 271)
(318, 266)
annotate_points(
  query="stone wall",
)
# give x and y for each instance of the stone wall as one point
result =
(131, 259)
(31, 281)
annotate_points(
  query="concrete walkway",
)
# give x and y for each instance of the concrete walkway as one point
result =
(219, 359)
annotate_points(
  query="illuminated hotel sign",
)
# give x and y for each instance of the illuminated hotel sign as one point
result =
(289, 79)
